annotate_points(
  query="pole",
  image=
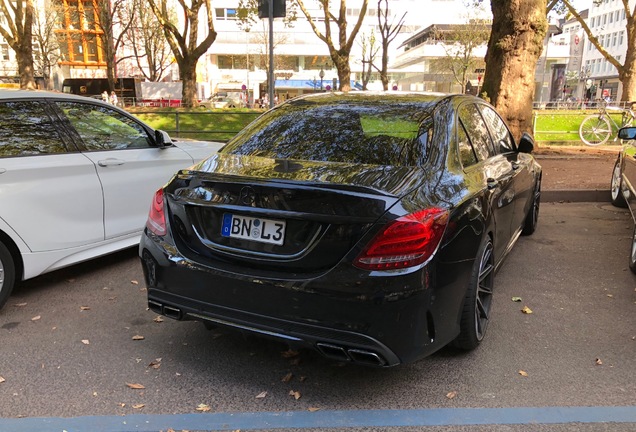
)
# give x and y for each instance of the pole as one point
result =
(247, 61)
(271, 54)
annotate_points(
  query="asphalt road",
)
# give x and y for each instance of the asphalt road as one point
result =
(68, 350)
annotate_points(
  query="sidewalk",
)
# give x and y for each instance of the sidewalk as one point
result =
(576, 174)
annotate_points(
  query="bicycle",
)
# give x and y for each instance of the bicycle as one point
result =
(596, 129)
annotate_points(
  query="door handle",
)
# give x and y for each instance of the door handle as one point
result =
(491, 183)
(110, 162)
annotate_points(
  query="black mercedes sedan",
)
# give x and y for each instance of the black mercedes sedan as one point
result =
(368, 226)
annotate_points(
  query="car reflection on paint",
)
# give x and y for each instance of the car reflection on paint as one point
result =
(367, 226)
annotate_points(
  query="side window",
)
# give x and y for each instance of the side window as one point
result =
(500, 133)
(102, 128)
(27, 130)
(466, 153)
(476, 130)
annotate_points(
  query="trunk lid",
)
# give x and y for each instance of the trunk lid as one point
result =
(258, 215)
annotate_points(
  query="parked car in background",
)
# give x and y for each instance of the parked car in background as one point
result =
(623, 183)
(222, 102)
(76, 177)
(367, 226)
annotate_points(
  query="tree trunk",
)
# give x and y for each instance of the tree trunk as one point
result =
(188, 75)
(25, 66)
(384, 73)
(344, 71)
(627, 75)
(515, 45)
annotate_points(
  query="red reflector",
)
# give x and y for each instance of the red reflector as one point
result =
(405, 242)
(156, 217)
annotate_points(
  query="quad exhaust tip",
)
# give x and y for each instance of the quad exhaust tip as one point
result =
(350, 355)
(169, 311)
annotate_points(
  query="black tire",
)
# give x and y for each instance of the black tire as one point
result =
(530, 223)
(632, 252)
(616, 186)
(7, 274)
(478, 301)
(595, 130)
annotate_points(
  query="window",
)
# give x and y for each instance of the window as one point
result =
(5, 51)
(498, 129)
(605, 19)
(477, 131)
(611, 17)
(231, 14)
(621, 35)
(467, 155)
(614, 38)
(102, 128)
(352, 133)
(27, 130)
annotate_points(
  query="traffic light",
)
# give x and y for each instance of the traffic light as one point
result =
(279, 8)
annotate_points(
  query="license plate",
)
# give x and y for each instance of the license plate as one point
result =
(256, 229)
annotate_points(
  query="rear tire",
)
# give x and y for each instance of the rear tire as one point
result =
(7, 274)
(632, 252)
(478, 301)
(595, 130)
(616, 186)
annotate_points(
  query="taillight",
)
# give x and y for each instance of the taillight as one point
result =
(405, 242)
(156, 217)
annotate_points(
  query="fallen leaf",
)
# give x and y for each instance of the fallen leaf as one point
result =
(203, 408)
(516, 299)
(122, 405)
(155, 364)
(526, 310)
(610, 295)
(138, 406)
(134, 282)
(35, 318)
(313, 409)
(83, 308)
(86, 342)
(138, 337)
(2, 380)
(287, 378)
(451, 395)
(158, 319)
(289, 353)
(302, 378)
(261, 395)
(523, 373)
(135, 386)
(295, 394)
(94, 393)
(599, 361)
(20, 304)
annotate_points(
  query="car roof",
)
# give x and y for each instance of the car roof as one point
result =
(41, 94)
(374, 96)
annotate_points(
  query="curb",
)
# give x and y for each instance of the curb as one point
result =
(576, 195)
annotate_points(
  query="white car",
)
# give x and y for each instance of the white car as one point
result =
(76, 178)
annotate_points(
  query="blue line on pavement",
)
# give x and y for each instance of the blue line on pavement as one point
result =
(324, 419)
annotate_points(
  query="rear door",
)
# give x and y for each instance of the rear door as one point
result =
(49, 192)
(521, 163)
(129, 165)
(494, 171)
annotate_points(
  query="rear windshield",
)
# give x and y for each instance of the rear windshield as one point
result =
(380, 134)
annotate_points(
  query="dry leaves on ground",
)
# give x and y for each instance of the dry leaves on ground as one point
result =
(203, 407)
(599, 361)
(295, 394)
(85, 308)
(287, 378)
(261, 395)
(2, 380)
(138, 337)
(451, 395)
(156, 363)
(135, 386)
(86, 342)
(526, 310)
(523, 373)
(36, 318)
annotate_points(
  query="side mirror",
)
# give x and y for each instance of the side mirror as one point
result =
(627, 133)
(526, 143)
(162, 139)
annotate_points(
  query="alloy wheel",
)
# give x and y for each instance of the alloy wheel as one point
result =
(616, 182)
(485, 285)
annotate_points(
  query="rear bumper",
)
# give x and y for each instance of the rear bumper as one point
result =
(346, 314)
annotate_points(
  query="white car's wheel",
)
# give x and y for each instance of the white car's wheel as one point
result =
(7, 274)
(616, 186)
